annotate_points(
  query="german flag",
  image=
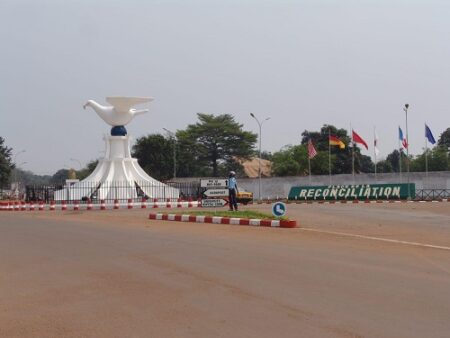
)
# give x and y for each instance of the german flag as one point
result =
(334, 141)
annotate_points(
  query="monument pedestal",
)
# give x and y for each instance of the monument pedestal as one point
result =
(117, 176)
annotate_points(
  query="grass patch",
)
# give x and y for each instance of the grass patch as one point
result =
(236, 214)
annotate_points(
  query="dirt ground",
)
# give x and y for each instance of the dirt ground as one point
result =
(349, 270)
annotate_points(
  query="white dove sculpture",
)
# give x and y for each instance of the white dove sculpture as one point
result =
(120, 112)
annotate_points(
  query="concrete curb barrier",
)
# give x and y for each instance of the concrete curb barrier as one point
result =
(223, 220)
(367, 201)
(75, 206)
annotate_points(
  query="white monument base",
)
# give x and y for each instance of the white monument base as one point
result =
(117, 176)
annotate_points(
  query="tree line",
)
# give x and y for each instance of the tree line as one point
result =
(292, 160)
(216, 144)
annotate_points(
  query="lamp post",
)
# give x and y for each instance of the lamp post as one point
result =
(405, 109)
(259, 169)
(14, 161)
(17, 154)
(17, 188)
(76, 160)
(174, 137)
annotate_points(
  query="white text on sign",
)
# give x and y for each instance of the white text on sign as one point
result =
(216, 192)
(214, 183)
(213, 203)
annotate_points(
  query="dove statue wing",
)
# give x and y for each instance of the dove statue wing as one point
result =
(124, 104)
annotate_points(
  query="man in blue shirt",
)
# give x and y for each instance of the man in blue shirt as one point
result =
(232, 190)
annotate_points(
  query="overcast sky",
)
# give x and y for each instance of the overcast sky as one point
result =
(302, 63)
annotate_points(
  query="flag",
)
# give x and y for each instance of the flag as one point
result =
(311, 150)
(401, 138)
(429, 135)
(358, 139)
(375, 144)
(334, 141)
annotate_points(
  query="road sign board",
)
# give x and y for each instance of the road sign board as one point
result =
(213, 203)
(278, 209)
(214, 183)
(216, 192)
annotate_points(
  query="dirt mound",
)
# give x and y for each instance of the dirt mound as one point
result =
(251, 167)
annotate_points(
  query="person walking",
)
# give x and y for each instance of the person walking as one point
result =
(232, 191)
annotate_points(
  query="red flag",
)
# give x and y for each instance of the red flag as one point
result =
(311, 150)
(358, 139)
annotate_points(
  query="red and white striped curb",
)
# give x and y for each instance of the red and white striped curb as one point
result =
(224, 220)
(366, 201)
(75, 205)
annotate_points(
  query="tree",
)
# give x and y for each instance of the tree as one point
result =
(85, 172)
(287, 161)
(437, 159)
(6, 165)
(265, 155)
(384, 166)
(393, 160)
(216, 143)
(60, 176)
(341, 159)
(29, 178)
(155, 155)
(444, 139)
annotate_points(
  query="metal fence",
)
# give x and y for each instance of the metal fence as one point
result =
(109, 191)
(432, 194)
(122, 191)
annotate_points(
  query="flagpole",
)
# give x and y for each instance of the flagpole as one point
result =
(353, 155)
(375, 151)
(329, 154)
(400, 159)
(309, 159)
(309, 168)
(426, 156)
(407, 148)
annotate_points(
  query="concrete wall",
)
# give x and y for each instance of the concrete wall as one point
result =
(272, 187)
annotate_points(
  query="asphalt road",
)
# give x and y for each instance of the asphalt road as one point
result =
(118, 274)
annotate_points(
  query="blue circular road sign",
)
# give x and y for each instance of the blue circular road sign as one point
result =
(278, 209)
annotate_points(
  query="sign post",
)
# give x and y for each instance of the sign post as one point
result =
(213, 203)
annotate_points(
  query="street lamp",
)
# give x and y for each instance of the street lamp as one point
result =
(174, 137)
(405, 109)
(17, 154)
(76, 160)
(14, 161)
(259, 169)
(17, 188)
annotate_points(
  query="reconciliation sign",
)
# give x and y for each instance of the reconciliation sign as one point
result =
(354, 192)
(214, 183)
(213, 203)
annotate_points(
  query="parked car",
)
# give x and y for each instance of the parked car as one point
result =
(244, 197)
